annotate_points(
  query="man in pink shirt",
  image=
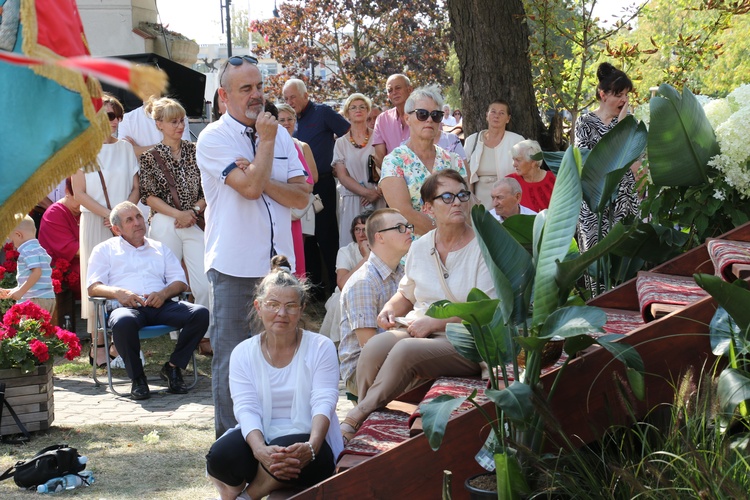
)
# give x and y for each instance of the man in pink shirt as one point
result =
(391, 129)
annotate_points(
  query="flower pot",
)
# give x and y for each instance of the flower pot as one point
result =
(32, 397)
(482, 486)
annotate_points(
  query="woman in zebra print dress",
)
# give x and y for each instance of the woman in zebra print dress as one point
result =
(612, 92)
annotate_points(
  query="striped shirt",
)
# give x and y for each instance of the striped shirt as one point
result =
(30, 256)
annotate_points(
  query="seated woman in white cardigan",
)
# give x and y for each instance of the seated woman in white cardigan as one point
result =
(284, 384)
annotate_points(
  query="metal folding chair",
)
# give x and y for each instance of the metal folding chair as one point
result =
(148, 332)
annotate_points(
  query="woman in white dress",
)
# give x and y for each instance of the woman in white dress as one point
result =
(357, 191)
(97, 192)
(489, 152)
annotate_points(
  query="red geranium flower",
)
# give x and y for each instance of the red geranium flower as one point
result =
(40, 350)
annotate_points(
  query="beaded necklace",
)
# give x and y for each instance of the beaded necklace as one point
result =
(355, 144)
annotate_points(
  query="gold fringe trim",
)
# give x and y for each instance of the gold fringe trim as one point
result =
(79, 153)
(146, 81)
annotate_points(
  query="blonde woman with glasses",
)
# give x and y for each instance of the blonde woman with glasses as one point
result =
(357, 188)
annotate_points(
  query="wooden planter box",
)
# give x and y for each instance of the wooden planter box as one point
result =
(32, 397)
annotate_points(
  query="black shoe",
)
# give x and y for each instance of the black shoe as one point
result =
(173, 376)
(139, 389)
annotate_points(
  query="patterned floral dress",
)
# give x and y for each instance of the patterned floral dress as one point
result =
(403, 162)
(589, 131)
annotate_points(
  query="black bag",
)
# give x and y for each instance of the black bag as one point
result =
(53, 461)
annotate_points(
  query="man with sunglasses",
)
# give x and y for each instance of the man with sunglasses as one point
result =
(371, 286)
(251, 178)
(319, 125)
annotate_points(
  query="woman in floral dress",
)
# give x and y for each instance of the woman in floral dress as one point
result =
(407, 166)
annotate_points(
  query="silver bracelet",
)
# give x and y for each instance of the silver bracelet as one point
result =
(311, 450)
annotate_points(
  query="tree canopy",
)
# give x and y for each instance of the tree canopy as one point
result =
(357, 44)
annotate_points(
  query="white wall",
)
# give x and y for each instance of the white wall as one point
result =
(108, 25)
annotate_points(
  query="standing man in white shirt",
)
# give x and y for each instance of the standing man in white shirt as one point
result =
(251, 177)
(142, 276)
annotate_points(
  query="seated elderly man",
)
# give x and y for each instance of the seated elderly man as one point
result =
(140, 276)
(506, 199)
(370, 287)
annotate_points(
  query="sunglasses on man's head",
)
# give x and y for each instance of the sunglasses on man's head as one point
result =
(237, 61)
(423, 114)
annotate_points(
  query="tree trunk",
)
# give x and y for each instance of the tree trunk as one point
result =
(492, 44)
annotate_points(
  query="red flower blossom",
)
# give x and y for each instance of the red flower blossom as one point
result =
(40, 350)
(56, 286)
(2, 272)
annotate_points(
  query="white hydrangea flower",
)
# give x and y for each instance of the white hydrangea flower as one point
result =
(717, 111)
(734, 159)
(739, 97)
(719, 194)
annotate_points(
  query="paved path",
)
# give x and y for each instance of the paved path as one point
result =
(78, 401)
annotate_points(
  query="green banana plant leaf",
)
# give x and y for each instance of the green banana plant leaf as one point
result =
(734, 297)
(479, 311)
(721, 330)
(569, 271)
(680, 139)
(553, 159)
(511, 482)
(652, 242)
(435, 416)
(463, 341)
(575, 320)
(521, 227)
(508, 262)
(733, 389)
(515, 401)
(610, 160)
(559, 227)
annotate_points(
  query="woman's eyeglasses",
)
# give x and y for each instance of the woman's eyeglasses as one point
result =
(423, 114)
(237, 61)
(175, 123)
(401, 227)
(463, 197)
(275, 307)
(113, 116)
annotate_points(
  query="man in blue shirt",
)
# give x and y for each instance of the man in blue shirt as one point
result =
(318, 125)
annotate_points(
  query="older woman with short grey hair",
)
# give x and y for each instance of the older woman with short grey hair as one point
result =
(537, 184)
(407, 166)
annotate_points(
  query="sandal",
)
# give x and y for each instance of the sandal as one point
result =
(100, 353)
(353, 425)
(204, 347)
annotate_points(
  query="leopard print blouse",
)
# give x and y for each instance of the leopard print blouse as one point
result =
(185, 172)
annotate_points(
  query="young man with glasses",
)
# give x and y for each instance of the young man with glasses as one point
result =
(251, 178)
(370, 287)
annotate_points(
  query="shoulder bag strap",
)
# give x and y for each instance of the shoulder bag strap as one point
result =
(441, 272)
(168, 176)
(104, 188)
(26, 436)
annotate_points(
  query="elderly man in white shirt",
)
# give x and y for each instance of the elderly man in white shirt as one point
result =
(506, 199)
(252, 177)
(141, 276)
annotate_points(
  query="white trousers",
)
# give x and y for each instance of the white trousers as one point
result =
(187, 245)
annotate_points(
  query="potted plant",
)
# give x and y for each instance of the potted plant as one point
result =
(494, 331)
(28, 339)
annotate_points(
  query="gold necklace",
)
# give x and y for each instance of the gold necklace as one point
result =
(268, 353)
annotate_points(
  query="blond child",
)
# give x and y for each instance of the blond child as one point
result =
(34, 274)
